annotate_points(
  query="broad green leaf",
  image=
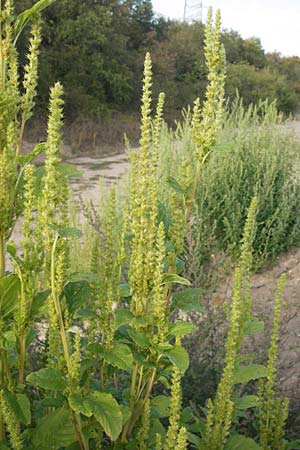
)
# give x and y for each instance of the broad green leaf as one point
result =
(195, 440)
(188, 300)
(84, 313)
(122, 317)
(174, 278)
(39, 304)
(20, 405)
(294, 445)
(90, 277)
(156, 427)
(78, 294)
(11, 249)
(239, 442)
(244, 374)
(124, 290)
(253, 326)
(179, 266)
(31, 335)
(126, 413)
(23, 18)
(139, 338)
(9, 292)
(247, 401)
(95, 348)
(38, 149)
(10, 337)
(54, 431)
(108, 413)
(66, 232)
(80, 405)
(179, 357)
(182, 328)
(48, 378)
(119, 356)
(175, 185)
(187, 415)
(160, 406)
(163, 216)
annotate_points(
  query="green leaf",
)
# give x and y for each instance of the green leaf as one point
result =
(39, 304)
(253, 326)
(188, 300)
(247, 401)
(78, 294)
(38, 149)
(11, 249)
(244, 374)
(122, 317)
(139, 338)
(20, 405)
(160, 405)
(179, 266)
(80, 405)
(124, 290)
(9, 292)
(23, 18)
(119, 356)
(55, 431)
(108, 413)
(90, 277)
(163, 215)
(182, 328)
(84, 313)
(174, 278)
(10, 337)
(66, 232)
(31, 335)
(48, 378)
(294, 445)
(175, 185)
(239, 442)
(179, 357)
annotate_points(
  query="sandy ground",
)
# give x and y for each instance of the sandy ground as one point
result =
(111, 168)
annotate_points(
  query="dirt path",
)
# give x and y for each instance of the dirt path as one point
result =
(110, 168)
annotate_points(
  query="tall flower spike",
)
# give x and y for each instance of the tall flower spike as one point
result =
(182, 439)
(11, 423)
(143, 207)
(175, 409)
(273, 411)
(160, 305)
(157, 127)
(51, 195)
(31, 74)
(143, 434)
(205, 131)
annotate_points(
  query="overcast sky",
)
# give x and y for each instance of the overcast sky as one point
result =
(275, 22)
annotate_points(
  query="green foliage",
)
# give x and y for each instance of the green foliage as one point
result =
(111, 349)
(104, 45)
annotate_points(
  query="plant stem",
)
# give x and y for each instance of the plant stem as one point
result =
(75, 419)
(63, 333)
(131, 402)
(2, 257)
(141, 407)
(22, 358)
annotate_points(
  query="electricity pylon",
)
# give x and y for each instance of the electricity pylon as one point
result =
(193, 11)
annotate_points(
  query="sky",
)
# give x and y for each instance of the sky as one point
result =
(275, 22)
